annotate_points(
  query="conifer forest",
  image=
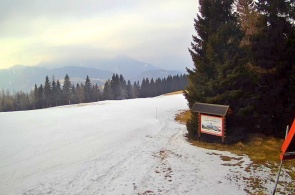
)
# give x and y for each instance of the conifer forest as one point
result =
(55, 93)
(244, 56)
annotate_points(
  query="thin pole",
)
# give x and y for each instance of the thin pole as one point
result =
(280, 167)
(278, 176)
(287, 131)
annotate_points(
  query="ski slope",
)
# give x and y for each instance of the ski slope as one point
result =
(114, 147)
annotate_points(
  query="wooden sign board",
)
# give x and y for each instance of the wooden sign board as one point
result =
(212, 125)
(288, 147)
(211, 119)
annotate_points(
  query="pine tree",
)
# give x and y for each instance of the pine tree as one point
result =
(67, 90)
(80, 93)
(36, 97)
(273, 65)
(129, 91)
(96, 96)
(59, 94)
(107, 91)
(115, 86)
(136, 89)
(88, 90)
(53, 92)
(219, 75)
(41, 99)
(122, 88)
(47, 92)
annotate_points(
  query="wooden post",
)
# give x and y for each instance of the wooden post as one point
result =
(199, 126)
(223, 129)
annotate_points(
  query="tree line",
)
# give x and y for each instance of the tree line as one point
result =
(54, 93)
(243, 56)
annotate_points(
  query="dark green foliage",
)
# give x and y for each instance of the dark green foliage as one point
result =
(58, 94)
(246, 62)
(66, 89)
(47, 92)
(129, 92)
(41, 99)
(192, 125)
(107, 91)
(88, 97)
(52, 94)
(135, 89)
(219, 75)
(161, 86)
(273, 66)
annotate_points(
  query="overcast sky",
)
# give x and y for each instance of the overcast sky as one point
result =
(153, 31)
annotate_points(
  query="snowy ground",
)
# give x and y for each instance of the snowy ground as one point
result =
(115, 147)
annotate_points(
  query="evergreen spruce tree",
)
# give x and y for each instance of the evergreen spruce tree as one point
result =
(88, 90)
(115, 86)
(273, 65)
(41, 99)
(58, 93)
(47, 92)
(219, 74)
(107, 91)
(96, 94)
(36, 97)
(53, 92)
(80, 93)
(136, 89)
(122, 88)
(67, 90)
(129, 91)
(74, 98)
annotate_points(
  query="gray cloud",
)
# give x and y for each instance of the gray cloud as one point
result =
(154, 31)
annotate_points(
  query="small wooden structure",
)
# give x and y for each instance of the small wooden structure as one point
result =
(211, 119)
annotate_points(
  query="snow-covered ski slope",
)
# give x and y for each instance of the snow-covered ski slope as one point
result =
(112, 147)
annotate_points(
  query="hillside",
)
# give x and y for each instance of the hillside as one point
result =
(23, 78)
(117, 147)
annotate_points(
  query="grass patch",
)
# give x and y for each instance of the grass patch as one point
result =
(183, 116)
(174, 93)
(261, 149)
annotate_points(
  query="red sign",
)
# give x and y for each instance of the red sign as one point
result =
(288, 147)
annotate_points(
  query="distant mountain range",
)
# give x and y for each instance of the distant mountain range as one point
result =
(23, 78)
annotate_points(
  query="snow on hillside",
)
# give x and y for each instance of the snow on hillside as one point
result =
(113, 147)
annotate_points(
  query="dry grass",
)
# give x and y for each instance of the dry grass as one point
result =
(174, 93)
(261, 149)
(183, 116)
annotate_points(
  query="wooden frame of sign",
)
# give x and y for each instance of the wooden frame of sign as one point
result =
(211, 119)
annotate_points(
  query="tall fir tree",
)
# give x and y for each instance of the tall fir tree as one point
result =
(135, 89)
(67, 90)
(58, 93)
(107, 91)
(129, 92)
(80, 93)
(41, 99)
(122, 84)
(88, 90)
(36, 97)
(53, 92)
(273, 65)
(219, 75)
(47, 92)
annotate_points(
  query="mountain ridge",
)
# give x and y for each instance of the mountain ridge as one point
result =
(23, 78)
